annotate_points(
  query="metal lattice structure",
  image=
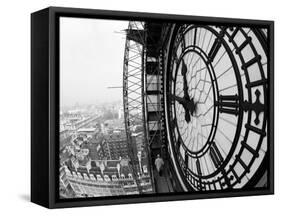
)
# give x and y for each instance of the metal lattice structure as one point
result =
(153, 90)
(133, 73)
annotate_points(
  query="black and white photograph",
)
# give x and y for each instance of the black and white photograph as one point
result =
(162, 107)
(139, 108)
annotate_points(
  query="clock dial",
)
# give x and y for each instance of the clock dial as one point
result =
(216, 84)
(194, 82)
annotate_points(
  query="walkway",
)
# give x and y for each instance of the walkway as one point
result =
(162, 183)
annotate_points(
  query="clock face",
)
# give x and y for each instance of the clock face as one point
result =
(215, 92)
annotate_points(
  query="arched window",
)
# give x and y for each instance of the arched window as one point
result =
(106, 178)
(114, 178)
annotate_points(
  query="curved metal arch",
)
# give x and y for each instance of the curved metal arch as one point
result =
(133, 75)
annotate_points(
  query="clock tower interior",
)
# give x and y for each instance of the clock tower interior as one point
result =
(204, 91)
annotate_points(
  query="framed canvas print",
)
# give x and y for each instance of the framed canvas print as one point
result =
(138, 107)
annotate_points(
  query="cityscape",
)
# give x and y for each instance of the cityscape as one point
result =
(95, 157)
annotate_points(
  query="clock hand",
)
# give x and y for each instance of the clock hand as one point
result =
(181, 100)
(189, 106)
(185, 86)
(192, 106)
(187, 116)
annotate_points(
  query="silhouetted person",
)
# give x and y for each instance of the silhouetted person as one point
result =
(159, 163)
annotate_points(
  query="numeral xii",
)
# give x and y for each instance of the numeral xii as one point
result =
(228, 104)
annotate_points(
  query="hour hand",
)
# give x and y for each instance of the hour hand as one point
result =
(185, 87)
(181, 100)
(183, 69)
(187, 106)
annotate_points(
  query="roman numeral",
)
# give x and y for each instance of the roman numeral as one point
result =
(198, 167)
(215, 155)
(228, 104)
(214, 49)
(195, 35)
(186, 159)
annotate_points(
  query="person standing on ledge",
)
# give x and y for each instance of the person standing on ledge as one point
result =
(159, 163)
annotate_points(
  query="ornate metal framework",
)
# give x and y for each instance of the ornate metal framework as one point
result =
(153, 89)
(133, 76)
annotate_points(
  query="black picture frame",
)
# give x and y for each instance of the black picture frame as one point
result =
(45, 109)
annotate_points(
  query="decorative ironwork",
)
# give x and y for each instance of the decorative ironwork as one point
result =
(257, 106)
(133, 97)
(244, 53)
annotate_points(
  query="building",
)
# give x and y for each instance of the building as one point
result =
(65, 138)
(137, 139)
(114, 146)
(94, 178)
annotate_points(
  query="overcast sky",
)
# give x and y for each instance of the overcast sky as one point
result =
(91, 59)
